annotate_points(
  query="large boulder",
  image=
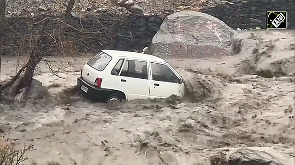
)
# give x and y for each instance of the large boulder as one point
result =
(190, 34)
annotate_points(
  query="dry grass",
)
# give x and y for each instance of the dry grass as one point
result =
(9, 155)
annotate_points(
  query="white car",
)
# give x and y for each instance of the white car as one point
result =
(113, 76)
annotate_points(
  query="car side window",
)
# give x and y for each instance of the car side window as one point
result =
(135, 69)
(161, 72)
(125, 71)
(117, 67)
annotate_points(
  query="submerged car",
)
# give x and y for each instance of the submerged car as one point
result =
(113, 76)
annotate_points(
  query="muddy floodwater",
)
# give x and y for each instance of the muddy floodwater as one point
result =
(246, 100)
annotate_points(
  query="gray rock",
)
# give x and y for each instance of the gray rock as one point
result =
(129, 3)
(237, 46)
(192, 34)
(252, 157)
(136, 9)
(125, 3)
(121, 2)
(42, 8)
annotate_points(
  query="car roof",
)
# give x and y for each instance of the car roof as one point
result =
(133, 55)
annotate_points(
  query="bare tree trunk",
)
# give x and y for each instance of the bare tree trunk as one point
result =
(23, 79)
(113, 31)
(70, 6)
(2, 10)
(35, 57)
(2, 27)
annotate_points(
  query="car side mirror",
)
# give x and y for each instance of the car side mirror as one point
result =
(180, 81)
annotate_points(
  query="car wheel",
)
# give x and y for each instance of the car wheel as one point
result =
(113, 98)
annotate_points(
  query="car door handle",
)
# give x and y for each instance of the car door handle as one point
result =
(123, 80)
(156, 84)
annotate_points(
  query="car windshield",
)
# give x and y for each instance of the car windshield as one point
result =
(100, 61)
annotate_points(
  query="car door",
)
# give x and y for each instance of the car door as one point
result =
(133, 79)
(164, 82)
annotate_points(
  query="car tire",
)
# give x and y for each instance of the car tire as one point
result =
(113, 98)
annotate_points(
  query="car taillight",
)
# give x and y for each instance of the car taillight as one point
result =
(98, 82)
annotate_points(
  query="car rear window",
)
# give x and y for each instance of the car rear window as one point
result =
(100, 61)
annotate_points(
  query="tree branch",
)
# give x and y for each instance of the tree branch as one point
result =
(70, 7)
